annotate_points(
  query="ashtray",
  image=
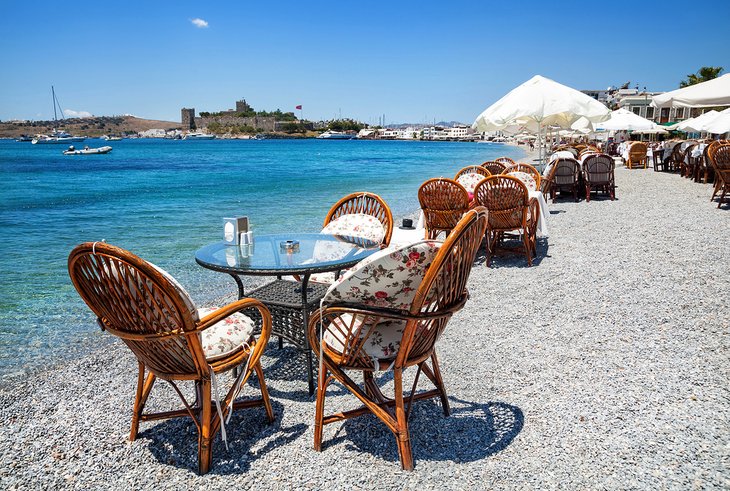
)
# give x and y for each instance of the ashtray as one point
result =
(289, 246)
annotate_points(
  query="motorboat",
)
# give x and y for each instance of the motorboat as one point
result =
(111, 138)
(57, 136)
(24, 138)
(336, 135)
(198, 136)
(87, 151)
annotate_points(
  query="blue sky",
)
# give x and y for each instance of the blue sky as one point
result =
(412, 61)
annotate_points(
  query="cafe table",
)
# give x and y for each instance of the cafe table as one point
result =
(292, 254)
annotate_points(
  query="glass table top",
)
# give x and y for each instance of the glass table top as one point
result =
(285, 254)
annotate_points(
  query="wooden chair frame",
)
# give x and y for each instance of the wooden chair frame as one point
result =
(565, 174)
(505, 160)
(443, 201)
(720, 159)
(494, 167)
(441, 293)
(598, 174)
(637, 155)
(472, 169)
(528, 169)
(510, 209)
(368, 204)
(146, 309)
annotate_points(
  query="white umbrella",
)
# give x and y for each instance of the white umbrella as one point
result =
(540, 102)
(720, 124)
(715, 92)
(695, 125)
(623, 119)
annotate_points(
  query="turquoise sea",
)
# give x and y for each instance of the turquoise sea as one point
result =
(165, 199)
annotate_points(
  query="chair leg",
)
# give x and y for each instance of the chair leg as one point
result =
(319, 408)
(264, 392)
(526, 242)
(588, 193)
(401, 431)
(143, 391)
(440, 385)
(204, 436)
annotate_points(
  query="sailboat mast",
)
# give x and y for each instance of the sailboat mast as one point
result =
(53, 91)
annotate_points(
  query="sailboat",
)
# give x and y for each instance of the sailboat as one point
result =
(56, 136)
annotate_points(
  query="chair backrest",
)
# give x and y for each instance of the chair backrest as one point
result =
(721, 159)
(143, 305)
(494, 167)
(566, 172)
(504, 160)
(637, 151)
(470, 176)
(598, 169)
(506, 199)
(710, 151)
(443, 202)
(426, 281)
(521, 170)
(363, 203)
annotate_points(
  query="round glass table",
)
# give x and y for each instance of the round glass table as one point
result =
(290, 302)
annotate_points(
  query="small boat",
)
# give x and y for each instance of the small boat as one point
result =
(24, 138)
(111, 138)
(87, 151)
(198, 136)
(56, 136)
(336, 135)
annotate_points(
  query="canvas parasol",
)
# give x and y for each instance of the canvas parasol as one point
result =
(715, 92)
(540, 102)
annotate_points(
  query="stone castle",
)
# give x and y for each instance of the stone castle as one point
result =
(191, 122)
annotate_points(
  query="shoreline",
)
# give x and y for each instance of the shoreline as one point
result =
(599, 388)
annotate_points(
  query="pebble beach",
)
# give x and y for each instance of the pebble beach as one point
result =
(603, 366)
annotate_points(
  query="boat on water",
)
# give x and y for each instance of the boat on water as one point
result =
(198, 136)
(336, 135)
(56, 136)
(87, 151)
(24, 138)
(111, 138)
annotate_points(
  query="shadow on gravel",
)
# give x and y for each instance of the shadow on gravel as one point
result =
(514, 258)
(250, 435)
(474, 431)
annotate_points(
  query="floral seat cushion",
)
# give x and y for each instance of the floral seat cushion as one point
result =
(470, 181)
(357, 225)
(383, 340)
(527, 179)
(226, 336)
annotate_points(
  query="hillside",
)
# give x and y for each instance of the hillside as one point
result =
(96, 126)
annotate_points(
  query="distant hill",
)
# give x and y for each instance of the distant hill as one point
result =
(95, 126)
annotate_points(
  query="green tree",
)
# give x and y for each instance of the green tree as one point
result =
(703, 75)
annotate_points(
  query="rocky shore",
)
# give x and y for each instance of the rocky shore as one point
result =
(603, 366)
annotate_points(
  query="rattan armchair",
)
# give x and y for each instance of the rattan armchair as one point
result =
(532, 184)
(390, 321)
(675, 158)
(687, 166)
(470, 176)
(494, 167)
(444, 202)
(172, 339)
(510, 209)
(598, 174)
(565, 177)
(637, 155)
(366, 204)
(505, 160)
(720, 157)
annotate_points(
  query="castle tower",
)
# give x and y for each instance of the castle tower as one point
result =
(187, 116)
(242, 106)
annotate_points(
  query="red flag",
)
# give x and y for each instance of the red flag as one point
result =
(299, 106)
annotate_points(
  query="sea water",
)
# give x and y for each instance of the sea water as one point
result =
(163, 200)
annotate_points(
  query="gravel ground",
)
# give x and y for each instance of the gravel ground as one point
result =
(604, 366)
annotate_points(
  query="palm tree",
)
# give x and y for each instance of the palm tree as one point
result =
(703, 75)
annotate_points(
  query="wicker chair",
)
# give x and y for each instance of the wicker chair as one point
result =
(367, 204)
(532, 184)
(470, 176)
(637, 155)
(720, 158)
(598, 174)
(444, 202)
(687, 166)
(171, 338)
(370, 323)
(565, 177)
(504, 160)
(510, 209)
(494, 167)
(675, 158)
